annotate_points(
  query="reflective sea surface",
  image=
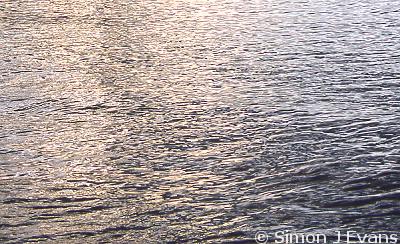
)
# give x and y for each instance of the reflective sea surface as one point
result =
(197, 121)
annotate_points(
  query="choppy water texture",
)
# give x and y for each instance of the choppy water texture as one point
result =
(185, 121)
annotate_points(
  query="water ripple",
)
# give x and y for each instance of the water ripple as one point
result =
(197, 121)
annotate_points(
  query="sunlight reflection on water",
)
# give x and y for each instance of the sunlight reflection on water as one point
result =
(197, 120)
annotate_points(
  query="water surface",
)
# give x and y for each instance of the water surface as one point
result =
(197, 121)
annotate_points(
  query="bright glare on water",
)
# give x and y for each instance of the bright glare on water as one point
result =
(197, 120)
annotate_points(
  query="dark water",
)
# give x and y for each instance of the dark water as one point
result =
(197, 121)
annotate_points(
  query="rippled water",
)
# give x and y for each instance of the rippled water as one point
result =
(184, 121)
